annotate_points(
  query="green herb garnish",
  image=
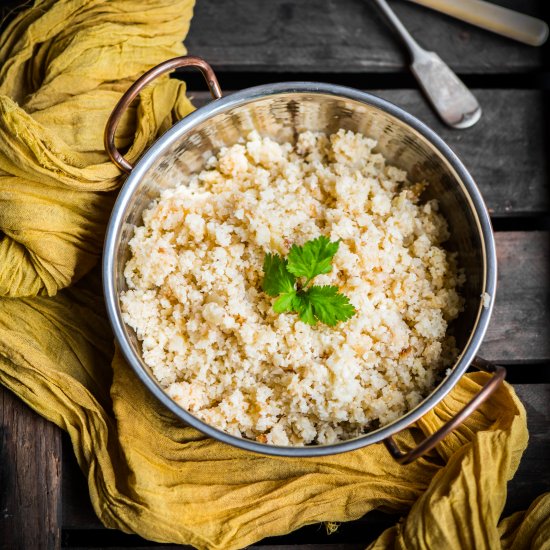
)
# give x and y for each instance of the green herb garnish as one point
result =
(313, 303)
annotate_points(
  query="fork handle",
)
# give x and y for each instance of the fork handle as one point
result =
(412, 45)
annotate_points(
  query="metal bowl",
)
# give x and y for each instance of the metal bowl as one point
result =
(281, 111)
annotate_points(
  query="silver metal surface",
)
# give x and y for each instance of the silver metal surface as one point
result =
(494, 18)
(451, 99)
(281, 111)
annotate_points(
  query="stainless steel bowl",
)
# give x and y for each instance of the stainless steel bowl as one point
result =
(280, 111)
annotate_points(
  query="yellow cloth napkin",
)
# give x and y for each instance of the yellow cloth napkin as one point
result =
(63, 65)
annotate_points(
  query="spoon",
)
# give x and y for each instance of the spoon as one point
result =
(450, 98)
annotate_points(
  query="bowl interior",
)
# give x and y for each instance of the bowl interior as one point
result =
(282, 116)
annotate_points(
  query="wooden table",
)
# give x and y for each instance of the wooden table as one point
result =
(44, 499)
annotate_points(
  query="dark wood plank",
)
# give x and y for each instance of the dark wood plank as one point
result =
(533, 476)
(77, 511)
(345, 36)
(520, 326)
(30, 477)
(506, 151)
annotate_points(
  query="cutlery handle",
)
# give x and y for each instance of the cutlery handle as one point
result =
(394, 21)
(491, 17)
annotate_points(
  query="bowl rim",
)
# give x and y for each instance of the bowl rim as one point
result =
(227, 103)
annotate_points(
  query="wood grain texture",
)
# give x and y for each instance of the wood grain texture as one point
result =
(77, 511)
(533, 476)
(505, 152)
(519, 331)
(345, 36)
(30, 478)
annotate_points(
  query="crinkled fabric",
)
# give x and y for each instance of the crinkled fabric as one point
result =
(64, 66)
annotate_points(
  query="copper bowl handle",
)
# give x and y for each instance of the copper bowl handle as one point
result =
(430, 442)
(138, 85)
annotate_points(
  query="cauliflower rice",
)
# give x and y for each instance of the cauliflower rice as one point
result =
(209, 332)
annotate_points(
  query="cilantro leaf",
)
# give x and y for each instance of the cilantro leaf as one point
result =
(303, 307)
(312, 303)
(285, 302)
(313, 258)
(328, 305)
(277, 280)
